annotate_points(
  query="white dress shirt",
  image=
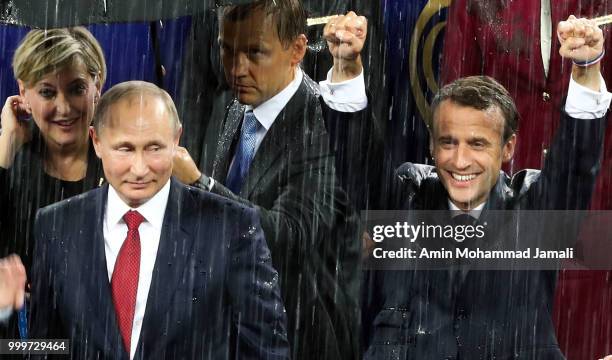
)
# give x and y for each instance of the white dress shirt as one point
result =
(115, 232)
(267, 112)
(584, 103)
(344, 96)
(475, 212)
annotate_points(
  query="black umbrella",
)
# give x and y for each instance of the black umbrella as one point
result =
(62, 13)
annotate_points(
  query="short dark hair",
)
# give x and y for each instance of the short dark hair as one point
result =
(288, 15)
(481, 93)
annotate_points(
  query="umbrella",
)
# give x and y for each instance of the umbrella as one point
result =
(62, 13)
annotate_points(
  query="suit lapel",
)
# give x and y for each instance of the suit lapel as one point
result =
(233, 119)
(173, 256)
(286, 130)
(266, 156)
(94, 271)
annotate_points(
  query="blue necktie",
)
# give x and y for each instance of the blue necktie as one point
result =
(244, 153)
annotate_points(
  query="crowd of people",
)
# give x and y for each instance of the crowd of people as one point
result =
(246, 241)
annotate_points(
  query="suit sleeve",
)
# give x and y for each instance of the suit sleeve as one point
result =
(568, 178)
(357, 143)
(258, 310)
(461, 54)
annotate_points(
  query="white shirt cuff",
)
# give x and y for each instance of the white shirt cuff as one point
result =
(345, 96)
(584, 103)
(5, 314)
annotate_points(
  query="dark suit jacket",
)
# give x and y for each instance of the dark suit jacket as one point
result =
(214, 293)
(484, 314)
(307, 219)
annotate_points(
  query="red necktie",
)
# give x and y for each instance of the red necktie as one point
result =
(124, 282)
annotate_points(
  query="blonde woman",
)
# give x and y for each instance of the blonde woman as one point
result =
(45, 152)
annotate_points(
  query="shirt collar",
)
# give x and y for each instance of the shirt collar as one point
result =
(267, 111)
(153, 210)
(475, 212)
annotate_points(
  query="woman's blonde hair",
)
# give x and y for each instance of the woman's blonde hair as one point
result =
(46, 51)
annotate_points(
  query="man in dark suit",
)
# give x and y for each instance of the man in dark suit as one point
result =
(271, 150)
(471, 314)
(147, 267)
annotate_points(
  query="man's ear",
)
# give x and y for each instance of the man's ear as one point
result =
(177, 137)
(508, 149)
(431, 142)
(298, 48)
(95, 140)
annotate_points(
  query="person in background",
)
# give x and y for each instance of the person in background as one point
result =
(270, 148)
(45, 152)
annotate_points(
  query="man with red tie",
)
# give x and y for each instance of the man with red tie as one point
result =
(146, 267)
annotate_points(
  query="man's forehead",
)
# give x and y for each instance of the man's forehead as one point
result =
(453, 116)
(137, 110)
(138, 101)
(255, 26)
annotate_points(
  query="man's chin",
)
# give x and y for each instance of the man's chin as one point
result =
(137, 194)
(246, 99)
(137, 200)
(462, 200)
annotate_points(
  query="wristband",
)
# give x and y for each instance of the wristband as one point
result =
(590, 62)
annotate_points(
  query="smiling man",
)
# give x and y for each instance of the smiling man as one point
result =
(144, 267)
(485, 314)
(473, 133)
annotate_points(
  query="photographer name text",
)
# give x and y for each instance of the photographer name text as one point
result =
(465, 253)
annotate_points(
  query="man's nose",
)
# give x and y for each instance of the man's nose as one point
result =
(140, 167)
(240, 65)
(462, 158)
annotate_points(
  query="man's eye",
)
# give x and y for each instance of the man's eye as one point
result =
(226, 50)
(478, 145)
(255, 53)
